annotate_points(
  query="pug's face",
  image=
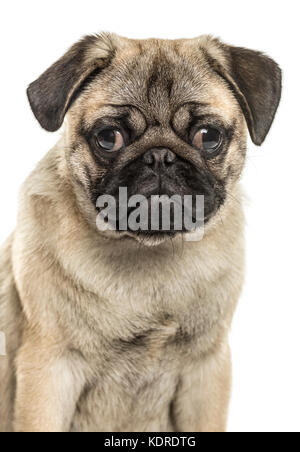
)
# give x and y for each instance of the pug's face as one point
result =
(157, 117)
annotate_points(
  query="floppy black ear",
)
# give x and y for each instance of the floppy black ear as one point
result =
(255, 79)
(51, 95)
(258, 79)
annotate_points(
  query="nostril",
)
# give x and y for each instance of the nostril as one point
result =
(170, 157)
(159, 157)
(149, 158)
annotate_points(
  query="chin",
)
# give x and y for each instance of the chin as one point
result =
(155, 238)
(152, 239)
(145, 238)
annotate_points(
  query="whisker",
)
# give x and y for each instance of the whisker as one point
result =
(172, 246)
(182, 244)
(238, 201)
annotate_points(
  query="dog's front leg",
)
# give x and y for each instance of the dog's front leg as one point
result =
(202, 399)
(49, 382)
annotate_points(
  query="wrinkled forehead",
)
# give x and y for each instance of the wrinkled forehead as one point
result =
(160, 79)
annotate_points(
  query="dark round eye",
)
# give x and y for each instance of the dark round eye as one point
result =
(209, 140)
(110, 140)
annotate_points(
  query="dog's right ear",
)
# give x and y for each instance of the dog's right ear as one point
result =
(51, 95)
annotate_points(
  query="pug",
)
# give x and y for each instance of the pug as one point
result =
(127, 330)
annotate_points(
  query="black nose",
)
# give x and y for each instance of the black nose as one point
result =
(159, 157)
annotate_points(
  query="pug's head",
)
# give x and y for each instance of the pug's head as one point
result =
(158, 117)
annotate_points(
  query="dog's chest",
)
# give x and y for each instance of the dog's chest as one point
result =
(142, 334)
(145, 318)
(137, 377)
(143, 323)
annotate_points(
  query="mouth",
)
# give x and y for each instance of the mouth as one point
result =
(153, 216)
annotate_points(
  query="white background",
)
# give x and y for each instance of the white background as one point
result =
(266, 331)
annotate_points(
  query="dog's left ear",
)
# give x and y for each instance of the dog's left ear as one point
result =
(52, 94)
(255, 79)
